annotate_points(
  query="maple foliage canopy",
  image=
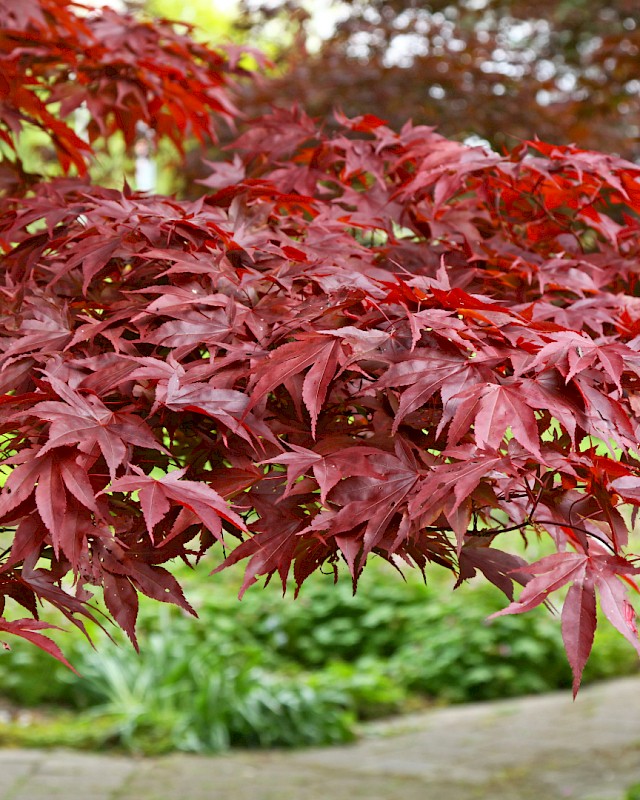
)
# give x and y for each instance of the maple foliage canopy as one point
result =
(360, 343)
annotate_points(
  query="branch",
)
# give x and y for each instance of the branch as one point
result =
(529, 522)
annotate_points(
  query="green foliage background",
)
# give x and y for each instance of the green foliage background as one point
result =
(274, 672)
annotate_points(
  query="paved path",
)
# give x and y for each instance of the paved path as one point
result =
(537, 748)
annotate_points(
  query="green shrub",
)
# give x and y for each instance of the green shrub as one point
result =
(199, 695)
(429, 640)
(457, 656)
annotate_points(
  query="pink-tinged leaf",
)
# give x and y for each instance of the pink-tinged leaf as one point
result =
(424, 374)
(43, 584)
(133, 431)
(155, 505)
(369, 501)
(616, 607)
(20, 484)
(226, 405)
(363, 343)
(223, 174)
(87, 423)
(267, 553)
(447, 486)
(198, 329)
(331, 469)
(284, 362)
(83, 427)
(46, 331)
(76, 480)
(72, 535)
(350, 547)
(572, 353)
(51, 500)
(317, 380)
(113, 449)
(204, 501)
(94, 255)
(459, 516)
(298, 463)
(121, 600)
(503, 407)
(29, 537)
(550, 573)
(29, 629)
(462, 417)
(628, 487)
(607, 418)
(546, 395)
(500, 568)
(328, 474)
(579, 625)
(349, 462)
(157, 583)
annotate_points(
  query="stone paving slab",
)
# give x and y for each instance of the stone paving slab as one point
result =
(62, 775)
(537, 748)
(591, 737)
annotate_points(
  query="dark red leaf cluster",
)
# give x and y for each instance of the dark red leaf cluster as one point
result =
(361, 343)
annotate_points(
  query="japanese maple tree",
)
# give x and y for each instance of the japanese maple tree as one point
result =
(356, 343)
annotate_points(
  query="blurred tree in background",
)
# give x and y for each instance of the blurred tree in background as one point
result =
(213, 19)
(500, 69)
